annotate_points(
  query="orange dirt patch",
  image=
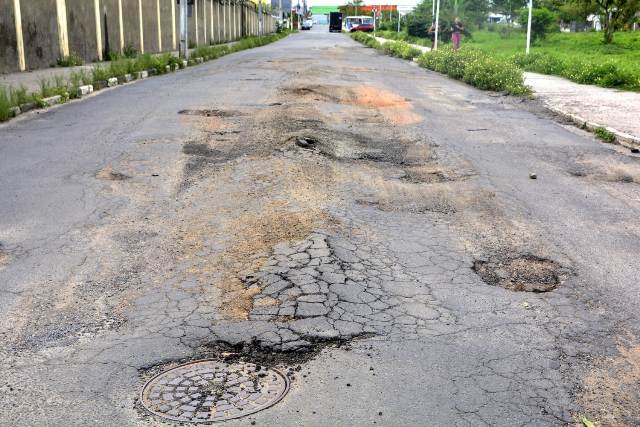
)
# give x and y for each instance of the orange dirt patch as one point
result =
(107, 173)
(372, 97)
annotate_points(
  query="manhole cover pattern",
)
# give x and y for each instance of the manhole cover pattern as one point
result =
(209, 391)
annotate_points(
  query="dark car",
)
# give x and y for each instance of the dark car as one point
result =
(367, 28)
(335, 22)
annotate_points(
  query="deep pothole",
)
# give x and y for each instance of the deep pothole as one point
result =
(525, 273)
(207, 391)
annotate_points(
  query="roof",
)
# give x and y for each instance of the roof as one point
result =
(321, 10)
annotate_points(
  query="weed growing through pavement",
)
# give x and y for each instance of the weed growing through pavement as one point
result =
(605, 135)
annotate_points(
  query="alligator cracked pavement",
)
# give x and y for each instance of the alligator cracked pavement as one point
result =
(315, 209)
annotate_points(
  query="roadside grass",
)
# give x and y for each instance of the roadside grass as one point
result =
(11, 97)
(472, 66)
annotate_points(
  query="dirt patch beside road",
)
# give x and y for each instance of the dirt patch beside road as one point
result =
(611, 389)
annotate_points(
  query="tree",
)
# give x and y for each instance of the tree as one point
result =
(508, 7)
(614, 14)
(543, 21)
(471, 12)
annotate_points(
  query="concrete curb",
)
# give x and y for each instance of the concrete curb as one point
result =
(622, 138)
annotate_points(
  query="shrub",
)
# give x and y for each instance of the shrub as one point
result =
(539, 63)
(100, 73)
(488, 73)
(129, 51)
(401, 50)
(477, 69)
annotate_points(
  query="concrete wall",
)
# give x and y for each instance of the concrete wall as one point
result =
(8, 42)
(81, 27)
(48, 35)
(40, 33)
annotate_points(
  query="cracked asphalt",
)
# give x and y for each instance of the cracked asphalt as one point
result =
(322, 209)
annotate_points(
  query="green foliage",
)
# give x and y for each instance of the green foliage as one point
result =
(477, 69)
(52, 87)
(581, 57)
(130, 51)
(543, 22)
(401, 49)
(10, 98)
(540, 63)
(470, 65)
(70, 61)
(366, 40)
(488, 73)
(100, 73)
(605, 135)
(585, 422)
(615, 14)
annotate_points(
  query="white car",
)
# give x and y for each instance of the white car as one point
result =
(307, 24)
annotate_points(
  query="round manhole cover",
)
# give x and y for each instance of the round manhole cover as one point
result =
(207, 391)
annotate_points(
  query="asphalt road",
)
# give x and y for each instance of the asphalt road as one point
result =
(392, 257)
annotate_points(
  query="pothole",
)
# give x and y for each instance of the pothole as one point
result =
(209, 113)
(207, 391)
(306, 141)
(420, 177)
(203, 150)
(526, 273)
(107, 173)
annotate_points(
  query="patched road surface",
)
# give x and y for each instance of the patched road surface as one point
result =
(348, 238)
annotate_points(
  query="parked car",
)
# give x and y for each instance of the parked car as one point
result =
(359, 23)
(307, 24)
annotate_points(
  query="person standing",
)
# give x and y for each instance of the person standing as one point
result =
(431, 32)
(456, 33)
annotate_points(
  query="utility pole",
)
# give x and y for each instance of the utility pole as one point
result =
(184, 33)
(435, 43)
(529, 26)
(260, 18)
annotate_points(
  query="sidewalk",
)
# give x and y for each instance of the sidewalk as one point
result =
(31, 79)
(597, 106)
(585, 105)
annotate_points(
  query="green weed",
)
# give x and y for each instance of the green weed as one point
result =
(605, 135)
